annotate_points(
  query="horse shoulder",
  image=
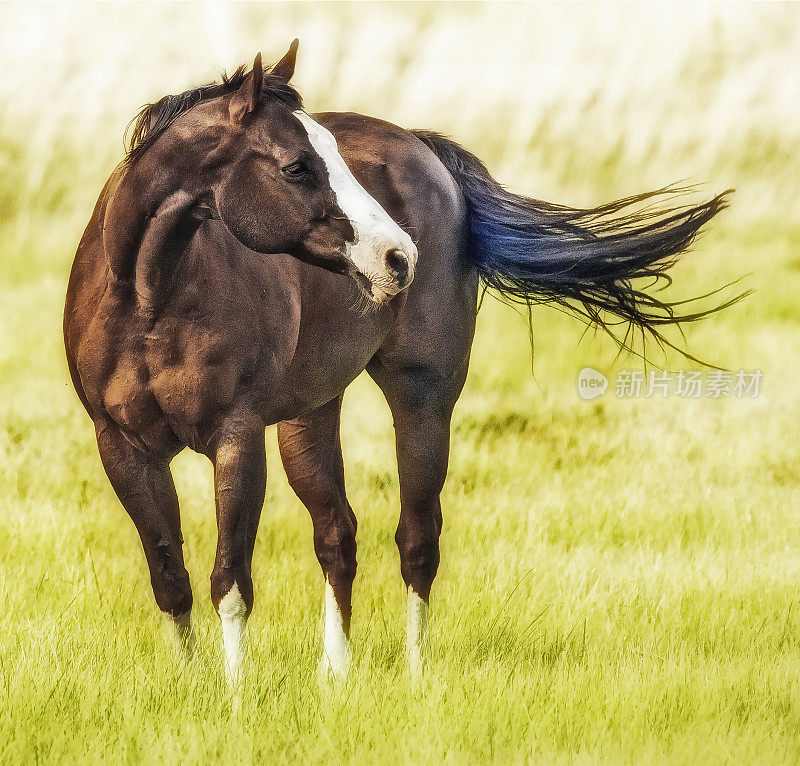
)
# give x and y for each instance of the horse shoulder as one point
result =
(229, 330)
(108, 360)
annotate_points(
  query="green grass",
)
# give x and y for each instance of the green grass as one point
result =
(618, 581)
(619, 578)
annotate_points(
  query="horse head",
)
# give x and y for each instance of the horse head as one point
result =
(256, 161)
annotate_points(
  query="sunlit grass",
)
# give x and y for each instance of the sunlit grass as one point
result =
(619, 578)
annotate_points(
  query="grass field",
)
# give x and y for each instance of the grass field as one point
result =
(619, 577)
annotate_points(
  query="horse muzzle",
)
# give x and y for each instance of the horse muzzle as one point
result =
(388, 269)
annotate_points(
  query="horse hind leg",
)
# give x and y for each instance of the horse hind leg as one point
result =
(421, 401)
(143, 483)
(312, 457)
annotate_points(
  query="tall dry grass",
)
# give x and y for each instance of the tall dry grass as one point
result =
(573, 102)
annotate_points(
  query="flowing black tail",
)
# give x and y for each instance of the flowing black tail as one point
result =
(582, 261)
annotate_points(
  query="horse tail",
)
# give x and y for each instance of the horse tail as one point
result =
(582, 261)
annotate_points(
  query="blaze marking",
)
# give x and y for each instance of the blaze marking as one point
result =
(376, 232)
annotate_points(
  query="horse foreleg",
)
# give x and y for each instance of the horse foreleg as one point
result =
(312, 456)
(144, 485)
(240, 474)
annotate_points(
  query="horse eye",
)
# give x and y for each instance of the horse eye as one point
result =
(297, 169)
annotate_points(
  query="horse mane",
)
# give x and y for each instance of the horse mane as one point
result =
(153, 119)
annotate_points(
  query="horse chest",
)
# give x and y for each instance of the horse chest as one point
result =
(195, 371)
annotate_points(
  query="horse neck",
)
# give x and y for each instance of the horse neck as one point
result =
(142, 189)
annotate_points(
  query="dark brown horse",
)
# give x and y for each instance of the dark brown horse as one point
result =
(247, 261)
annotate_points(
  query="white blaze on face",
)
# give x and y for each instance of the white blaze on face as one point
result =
(416, 629)
(336, 651)
(376, 233)
(232, 612)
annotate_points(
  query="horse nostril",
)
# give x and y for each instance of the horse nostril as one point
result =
(398, 264)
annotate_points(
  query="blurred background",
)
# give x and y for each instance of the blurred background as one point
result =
(575, 103)
(568, 102)
(613, 505)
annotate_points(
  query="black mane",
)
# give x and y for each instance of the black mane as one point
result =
(153, 119)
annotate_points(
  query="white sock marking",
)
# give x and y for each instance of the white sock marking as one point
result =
(376, 231)
(232, 611)
(416, 631)
(181, 633)
(336, 653)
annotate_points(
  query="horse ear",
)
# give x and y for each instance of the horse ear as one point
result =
(246, 100)
(285, 67)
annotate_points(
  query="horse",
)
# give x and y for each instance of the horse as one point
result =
(247, 260)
